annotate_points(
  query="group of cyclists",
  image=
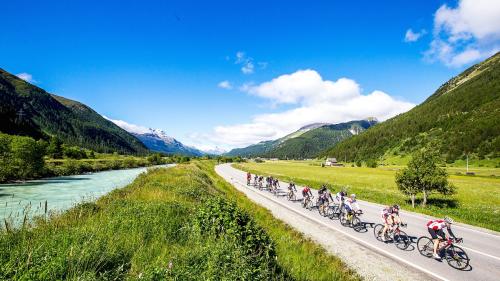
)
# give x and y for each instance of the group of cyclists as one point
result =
(270, 183)
(347, 207)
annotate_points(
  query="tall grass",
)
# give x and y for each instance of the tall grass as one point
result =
(169, 224)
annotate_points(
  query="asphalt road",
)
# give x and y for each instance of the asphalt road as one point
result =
(482, 246)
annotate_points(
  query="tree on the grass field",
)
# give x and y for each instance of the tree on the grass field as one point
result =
(423, 175)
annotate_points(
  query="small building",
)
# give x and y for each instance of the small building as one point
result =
(332, 162)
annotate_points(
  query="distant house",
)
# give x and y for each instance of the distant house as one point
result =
(332, 162)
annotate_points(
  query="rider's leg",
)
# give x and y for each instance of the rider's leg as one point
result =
(435, 240)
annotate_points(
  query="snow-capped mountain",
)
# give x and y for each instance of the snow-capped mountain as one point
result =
(158, 140)
(215, 151)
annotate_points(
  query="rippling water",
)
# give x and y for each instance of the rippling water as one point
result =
(59, 193)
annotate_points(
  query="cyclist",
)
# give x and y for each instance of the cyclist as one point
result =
(340, 200)
(255, 179)
(435, 228)
(306, 194)
(249, 178)
(324, 198)
(291, 188)
(340, 197)
(390, 216)
(351, 206)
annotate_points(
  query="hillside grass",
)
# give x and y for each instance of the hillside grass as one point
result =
(477, 201)
(181, 223)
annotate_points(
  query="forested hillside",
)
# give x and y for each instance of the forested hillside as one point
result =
(30, 111)
(307, 142)
(311, 143)
(461, 117)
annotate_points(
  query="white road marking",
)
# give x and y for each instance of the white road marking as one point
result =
(345, 233)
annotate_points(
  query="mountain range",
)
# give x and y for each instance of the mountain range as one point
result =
(307, 142)
(157, 140)
(462, 117)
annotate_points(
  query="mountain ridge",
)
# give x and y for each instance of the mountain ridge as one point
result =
(306, 142)
(28, 110)
(459, 118)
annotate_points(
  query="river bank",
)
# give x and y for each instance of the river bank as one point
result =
(23, 201)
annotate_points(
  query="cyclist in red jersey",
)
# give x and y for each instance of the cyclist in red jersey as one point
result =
(435, 228)
(307, 194)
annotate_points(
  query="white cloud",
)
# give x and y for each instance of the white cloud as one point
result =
(313, 99)
(26, 77)
(129, 127)
(247, 68)
(247, 63)
(465, 34)
(412, 36)
(225, 85)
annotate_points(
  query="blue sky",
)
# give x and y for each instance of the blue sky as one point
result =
(160, 64)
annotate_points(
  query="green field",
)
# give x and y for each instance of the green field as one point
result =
(476, 202)
(181, 223)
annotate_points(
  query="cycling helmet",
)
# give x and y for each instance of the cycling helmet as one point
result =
(353, 195)
(448, 220)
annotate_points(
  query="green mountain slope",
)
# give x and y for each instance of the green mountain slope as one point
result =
(28, 110)
(462, 116)
(264, 147)
(311, 143)
(306, 142)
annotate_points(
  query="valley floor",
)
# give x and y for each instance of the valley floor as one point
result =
(359, 248)
(477, 201)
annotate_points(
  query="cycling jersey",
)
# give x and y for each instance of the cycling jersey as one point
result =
(340, 197)
(351, 205)
(387, 211)
(435, 228)
(436, 224)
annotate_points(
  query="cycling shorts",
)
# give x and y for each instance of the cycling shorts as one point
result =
(435, 233)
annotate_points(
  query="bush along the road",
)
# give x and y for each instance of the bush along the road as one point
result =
(169, 224)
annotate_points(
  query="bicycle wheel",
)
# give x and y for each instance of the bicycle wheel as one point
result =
(425, 246)
(401, 240)
(457, 258)
(377, 231)
(343, 220)
(310, 205)
(332, 211)
(356, 224)
(329, 212)
(294, 197)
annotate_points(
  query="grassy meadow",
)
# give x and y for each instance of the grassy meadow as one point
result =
(181, 223)
(477, 201)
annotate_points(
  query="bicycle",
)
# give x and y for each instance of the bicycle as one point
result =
(324, 209)
(395, 234)
(351, 219)
(291, 196)
(454, 255)
(308, 203)
(335, 211)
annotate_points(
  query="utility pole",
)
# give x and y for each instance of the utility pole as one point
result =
(467, 163)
